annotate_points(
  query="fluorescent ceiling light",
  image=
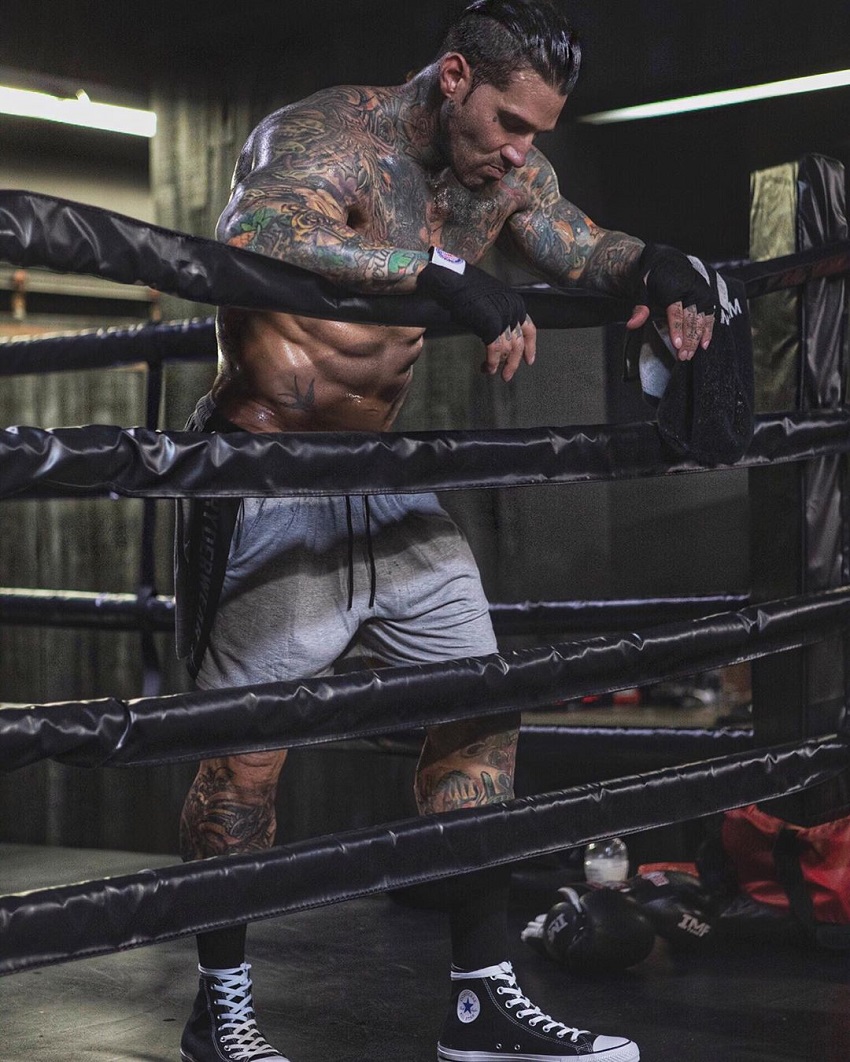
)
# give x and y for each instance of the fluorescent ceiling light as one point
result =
(790, 87)
(78, 110)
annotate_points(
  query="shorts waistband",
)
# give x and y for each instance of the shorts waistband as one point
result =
(208, 418)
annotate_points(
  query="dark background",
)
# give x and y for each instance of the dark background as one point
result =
(682, 179)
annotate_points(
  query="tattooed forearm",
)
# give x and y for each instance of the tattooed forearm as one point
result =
(456, 789)
(612, 264)
(319, 243)
(220, 818)
(313, 241)
(557, 239)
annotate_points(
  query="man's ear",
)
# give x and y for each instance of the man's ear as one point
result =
(455, 76)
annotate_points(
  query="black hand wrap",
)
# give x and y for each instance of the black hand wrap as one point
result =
(476, 300)
(670, 278)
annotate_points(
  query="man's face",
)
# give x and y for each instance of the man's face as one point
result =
(489, 131)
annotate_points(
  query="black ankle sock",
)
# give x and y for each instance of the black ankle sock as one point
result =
(478, 919)
(222, 949)
(477, 906)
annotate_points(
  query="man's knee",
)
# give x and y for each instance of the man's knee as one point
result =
(470, 739)
(241, 771)
(255, 768)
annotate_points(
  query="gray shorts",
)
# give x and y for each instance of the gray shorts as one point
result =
(308, 578)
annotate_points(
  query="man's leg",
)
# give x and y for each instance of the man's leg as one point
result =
(229, 810)
(465, 765)
(430, 606)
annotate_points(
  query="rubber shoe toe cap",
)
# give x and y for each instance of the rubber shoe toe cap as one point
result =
(616, 1049)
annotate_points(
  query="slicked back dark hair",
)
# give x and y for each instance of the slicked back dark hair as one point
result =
(500, 37)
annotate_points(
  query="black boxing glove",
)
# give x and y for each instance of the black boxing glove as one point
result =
(676, 904)
(474, 299)
(597, 932)
(668, 276)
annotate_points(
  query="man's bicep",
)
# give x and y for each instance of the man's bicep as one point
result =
(306, 225)
(288, 205)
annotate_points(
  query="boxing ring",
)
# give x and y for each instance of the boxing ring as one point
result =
(661, 640)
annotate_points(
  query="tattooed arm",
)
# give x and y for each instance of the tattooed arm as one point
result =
(556, 239)
(304, 177)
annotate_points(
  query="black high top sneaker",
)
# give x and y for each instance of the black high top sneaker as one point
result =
(222, 1026)
(490, 1020)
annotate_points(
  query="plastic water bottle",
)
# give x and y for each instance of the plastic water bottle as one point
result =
(606, 861)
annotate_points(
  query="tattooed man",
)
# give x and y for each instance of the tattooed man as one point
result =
(398, 189)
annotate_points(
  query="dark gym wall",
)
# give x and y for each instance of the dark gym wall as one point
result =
(683, 179)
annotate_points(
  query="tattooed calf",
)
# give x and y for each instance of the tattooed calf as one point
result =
(220, 818)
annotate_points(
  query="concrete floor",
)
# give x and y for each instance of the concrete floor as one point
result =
(366, 982)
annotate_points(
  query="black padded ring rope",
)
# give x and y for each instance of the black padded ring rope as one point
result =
(792, 270)
(93, 918)
(194, 339)
(611, 614)
(122, 611)
(72, 237)
(141, 462)
(156, 730)
(108, 348)
(85, 608)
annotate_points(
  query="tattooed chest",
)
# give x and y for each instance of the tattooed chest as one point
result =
(413, 211)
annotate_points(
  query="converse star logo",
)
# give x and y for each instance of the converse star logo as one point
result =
(468, 1006)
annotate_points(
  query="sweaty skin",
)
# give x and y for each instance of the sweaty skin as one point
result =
(356, 184)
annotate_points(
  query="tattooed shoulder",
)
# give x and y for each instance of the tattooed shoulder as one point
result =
(335, 118)
(538, 181)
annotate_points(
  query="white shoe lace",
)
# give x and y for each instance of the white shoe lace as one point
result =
(238, 1030)
(528, 1010)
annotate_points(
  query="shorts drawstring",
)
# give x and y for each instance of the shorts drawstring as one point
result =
(350, 524)
(373, 578)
